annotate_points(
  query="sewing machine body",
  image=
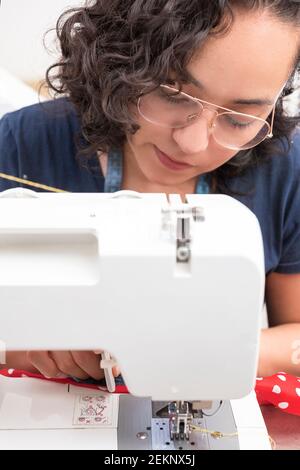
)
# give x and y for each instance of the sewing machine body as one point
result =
(100, 271)
(173, 292)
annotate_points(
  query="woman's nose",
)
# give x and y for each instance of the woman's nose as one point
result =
(195, 137)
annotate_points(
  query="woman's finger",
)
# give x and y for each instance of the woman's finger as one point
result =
(43, 362)
(88, 362)
(80, 364)
(66, 364)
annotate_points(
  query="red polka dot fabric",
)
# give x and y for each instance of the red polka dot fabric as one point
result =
(280, 390)
(17, 374)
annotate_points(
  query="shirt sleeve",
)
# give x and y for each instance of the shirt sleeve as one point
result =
(289, 262)
(9, 161)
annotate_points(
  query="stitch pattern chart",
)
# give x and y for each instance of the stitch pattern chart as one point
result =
(92, 410)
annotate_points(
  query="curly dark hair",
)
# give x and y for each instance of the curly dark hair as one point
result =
(113, 49)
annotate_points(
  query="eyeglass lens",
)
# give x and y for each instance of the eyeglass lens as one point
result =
(168, 108)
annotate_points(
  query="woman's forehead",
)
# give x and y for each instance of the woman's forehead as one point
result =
(254, 58)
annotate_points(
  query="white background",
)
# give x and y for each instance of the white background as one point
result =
(23, 24)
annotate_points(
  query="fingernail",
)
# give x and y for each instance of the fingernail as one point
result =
(116, 371)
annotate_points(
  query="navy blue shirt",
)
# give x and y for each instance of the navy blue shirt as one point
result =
(39, 143)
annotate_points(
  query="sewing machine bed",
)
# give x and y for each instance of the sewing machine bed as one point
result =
(40, 415)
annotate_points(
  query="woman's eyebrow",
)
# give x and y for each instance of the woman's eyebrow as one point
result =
(242, 101)
(256, 101)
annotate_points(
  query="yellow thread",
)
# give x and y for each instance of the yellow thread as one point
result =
(32, 183)
(220, 435)
(215, 434)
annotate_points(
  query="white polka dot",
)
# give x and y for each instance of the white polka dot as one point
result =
(298, 392)
(298, 380)
(259, 378)
(276, 389)
(11, 371)
(283, 405)
(24, 376)
(282, 377)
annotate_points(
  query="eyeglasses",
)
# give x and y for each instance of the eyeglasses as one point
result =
(168, 107)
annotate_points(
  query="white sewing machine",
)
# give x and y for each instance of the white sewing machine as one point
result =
(173, 291)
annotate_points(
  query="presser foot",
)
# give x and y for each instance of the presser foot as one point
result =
(180, 415)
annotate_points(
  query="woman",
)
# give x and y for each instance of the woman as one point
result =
(123, 125)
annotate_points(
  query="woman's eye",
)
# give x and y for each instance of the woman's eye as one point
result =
(238, 124)
(173, 100)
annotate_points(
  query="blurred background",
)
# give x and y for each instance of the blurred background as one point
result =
(23, 24)
(24, 58)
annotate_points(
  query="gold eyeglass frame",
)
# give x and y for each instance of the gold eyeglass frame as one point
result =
(226, 111)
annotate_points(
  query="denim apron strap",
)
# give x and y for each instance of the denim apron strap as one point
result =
(114, 172)
(203, 184)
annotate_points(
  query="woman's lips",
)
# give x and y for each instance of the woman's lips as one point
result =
(168, 162)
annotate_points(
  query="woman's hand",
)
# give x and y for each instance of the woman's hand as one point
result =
(57, 364)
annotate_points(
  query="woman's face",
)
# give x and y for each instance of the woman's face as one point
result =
(251, 62)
